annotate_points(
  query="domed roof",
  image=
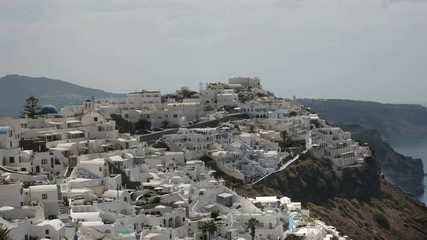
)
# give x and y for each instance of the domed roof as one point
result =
(48, 109)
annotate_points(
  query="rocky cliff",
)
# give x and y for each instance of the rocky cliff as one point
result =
(404, 171)
(359, 204)
(313, 180)
(375, 123)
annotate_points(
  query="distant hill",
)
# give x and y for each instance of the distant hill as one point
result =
(393, 121)
(14, 89)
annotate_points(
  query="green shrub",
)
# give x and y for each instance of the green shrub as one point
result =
(381, 220)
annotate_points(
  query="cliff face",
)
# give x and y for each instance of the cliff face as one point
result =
(359, 204)
(361, 182)
(390, 215)
(313, 180)
(406, 172)
(391, 122)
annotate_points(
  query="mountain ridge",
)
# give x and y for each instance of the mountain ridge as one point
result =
(393, 121)
(16, 88)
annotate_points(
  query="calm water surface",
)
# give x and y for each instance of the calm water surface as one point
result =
(417, 149)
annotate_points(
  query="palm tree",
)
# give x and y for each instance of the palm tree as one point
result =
(5, 233)
(209, 227)
(251, 224)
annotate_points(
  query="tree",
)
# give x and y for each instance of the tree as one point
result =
(31, 107)
(165, 123)
(209, 227)
(251, 224)
(214, 215)
(187, 93)
(143, 124)
(5, 233)
(259, 205)
(123, 125)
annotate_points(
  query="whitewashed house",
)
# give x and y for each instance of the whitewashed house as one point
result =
(50, 229)
(190, 108)
(11, 194)
(144, 99)
(46, 195)
(195, 142)
(227, 99)
(246, 82)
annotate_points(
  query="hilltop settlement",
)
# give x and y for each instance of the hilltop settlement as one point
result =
(81, 173)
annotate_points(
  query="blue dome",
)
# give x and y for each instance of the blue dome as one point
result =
(49, 109)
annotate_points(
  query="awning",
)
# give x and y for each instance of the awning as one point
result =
(75, 132)
(59, 149)
(74, 121)
(55, 123)
(225, 195)
(48, 133)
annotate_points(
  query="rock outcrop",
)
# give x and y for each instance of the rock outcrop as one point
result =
(360, 203)
(404, 171)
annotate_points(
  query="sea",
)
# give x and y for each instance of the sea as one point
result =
(416, 148)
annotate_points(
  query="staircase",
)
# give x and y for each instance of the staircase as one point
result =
(68, 172)
(64, 213)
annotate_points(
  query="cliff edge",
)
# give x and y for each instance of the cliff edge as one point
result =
(360, 203)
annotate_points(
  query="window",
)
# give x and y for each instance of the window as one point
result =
(95, 119)
(46, 231)
(44, 161)
(10, 133)
(11, 159)
(44, 196)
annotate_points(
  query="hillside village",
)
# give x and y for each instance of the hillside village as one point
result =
(70, 174)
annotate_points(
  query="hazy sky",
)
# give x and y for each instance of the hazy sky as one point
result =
(357, 49)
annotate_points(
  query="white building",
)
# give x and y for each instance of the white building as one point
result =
(50, 229)
(195, 142)
(11, 194)
(247, 82)
(190, 108)
(9, 137)
(144, 100)
(46, 195)
(227, 98)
